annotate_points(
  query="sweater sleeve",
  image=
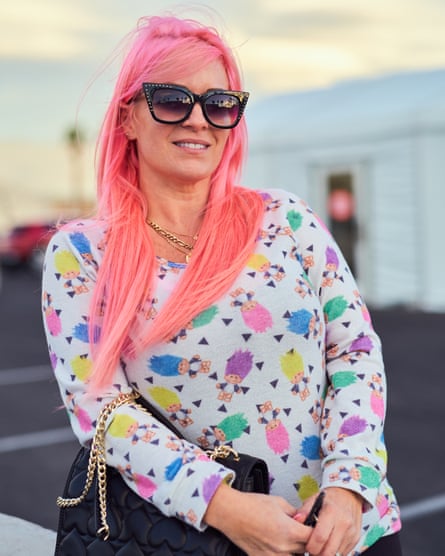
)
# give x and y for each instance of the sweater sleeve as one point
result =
(172, 473)
(352, 445)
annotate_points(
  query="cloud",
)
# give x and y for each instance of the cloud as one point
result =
(293, 45)
(302, 23)
(299, 64)
(53, 48)
(69, 29)
(44, 29)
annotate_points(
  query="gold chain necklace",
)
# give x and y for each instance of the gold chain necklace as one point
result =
(173, 240)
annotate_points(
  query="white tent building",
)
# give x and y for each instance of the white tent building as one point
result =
(369, 157)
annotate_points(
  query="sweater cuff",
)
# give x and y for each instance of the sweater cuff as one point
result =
(189, 494)
(356, 477)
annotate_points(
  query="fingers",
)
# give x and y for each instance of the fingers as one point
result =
(339, 525)
(260, 525)
(332, 539)
(304, 513)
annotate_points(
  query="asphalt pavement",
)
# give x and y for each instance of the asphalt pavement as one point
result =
(37, 446)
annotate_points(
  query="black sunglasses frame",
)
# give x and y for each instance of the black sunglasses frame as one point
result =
(150, 88)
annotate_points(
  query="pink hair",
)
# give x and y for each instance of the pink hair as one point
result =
(164, 48)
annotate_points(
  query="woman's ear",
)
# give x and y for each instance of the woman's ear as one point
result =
(127, 120)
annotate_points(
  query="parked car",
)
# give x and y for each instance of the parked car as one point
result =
(26, 244)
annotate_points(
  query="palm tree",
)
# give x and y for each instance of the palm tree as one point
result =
(75, 140)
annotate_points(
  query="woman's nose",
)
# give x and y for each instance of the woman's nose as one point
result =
(196, 117)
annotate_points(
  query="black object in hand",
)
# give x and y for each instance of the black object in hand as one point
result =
(312, 517)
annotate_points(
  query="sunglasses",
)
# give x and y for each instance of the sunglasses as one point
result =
(173, 104)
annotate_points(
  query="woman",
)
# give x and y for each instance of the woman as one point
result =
(231, 310)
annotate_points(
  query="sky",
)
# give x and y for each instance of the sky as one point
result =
(52, 52)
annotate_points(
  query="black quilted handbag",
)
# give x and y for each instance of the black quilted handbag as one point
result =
(101, 516)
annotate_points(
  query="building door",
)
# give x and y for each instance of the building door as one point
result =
(340, 194)
(341, 214)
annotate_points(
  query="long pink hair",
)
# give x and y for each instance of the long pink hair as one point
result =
(163, 48)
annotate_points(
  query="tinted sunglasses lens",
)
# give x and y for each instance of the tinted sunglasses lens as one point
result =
(171, 105)
(222, 109)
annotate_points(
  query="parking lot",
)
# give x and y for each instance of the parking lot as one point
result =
(37, 446)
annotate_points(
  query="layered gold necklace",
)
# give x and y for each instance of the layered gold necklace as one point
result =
(173, 240)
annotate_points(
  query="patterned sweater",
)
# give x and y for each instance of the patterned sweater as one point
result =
(286, 365)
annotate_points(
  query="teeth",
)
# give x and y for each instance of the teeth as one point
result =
(192, 145)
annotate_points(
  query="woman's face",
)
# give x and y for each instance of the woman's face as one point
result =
(180, 155)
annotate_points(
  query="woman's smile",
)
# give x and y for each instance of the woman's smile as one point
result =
(192, 145)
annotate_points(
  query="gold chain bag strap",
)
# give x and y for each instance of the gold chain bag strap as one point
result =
(126, 523)
(97, 463)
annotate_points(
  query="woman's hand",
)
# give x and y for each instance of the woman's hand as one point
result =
(339, 523)
(260, 525)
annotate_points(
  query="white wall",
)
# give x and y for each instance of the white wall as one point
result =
(430, 187)
(387, 169)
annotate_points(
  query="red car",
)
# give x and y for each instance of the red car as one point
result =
(25, 244)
